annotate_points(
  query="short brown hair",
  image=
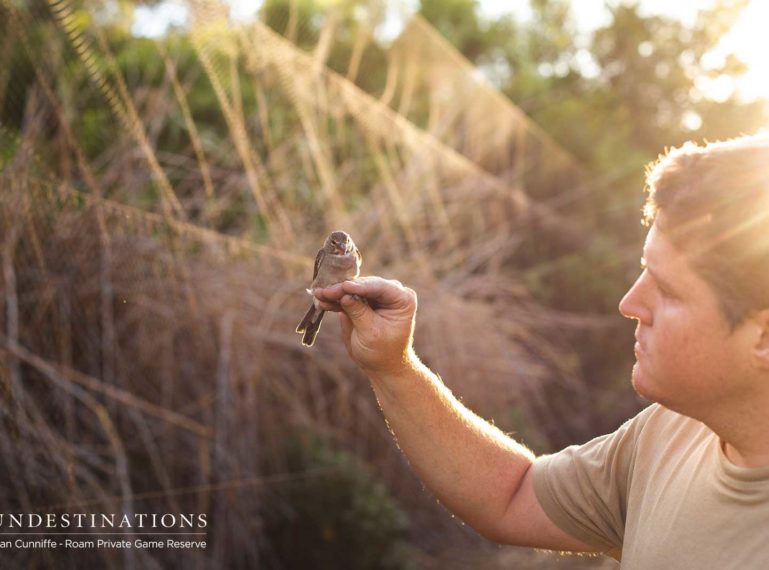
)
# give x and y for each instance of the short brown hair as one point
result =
(712, 201)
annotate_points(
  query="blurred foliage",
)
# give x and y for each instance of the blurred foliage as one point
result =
(623, 97)
(614, 100)
(345, 518)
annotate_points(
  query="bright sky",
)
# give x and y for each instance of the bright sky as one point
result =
(749, 39)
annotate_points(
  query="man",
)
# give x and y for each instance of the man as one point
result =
(685, 484)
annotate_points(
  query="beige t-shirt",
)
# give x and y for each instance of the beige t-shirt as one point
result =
(659, 493)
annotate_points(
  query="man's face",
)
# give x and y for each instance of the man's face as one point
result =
(687, 357)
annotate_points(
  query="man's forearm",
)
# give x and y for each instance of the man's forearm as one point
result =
(471, 466)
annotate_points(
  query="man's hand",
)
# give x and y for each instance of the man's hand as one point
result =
(377, 317)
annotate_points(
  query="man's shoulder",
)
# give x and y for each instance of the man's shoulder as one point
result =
(667, 440)
(657, 432)
(656, 420)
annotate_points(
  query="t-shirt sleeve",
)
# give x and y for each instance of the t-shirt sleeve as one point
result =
(583, 489)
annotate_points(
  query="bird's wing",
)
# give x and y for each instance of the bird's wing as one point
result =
(318, 261)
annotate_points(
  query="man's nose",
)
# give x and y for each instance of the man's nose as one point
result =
(633, 305)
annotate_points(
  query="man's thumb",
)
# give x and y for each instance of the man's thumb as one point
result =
(355, 308)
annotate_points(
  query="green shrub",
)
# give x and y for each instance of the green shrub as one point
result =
(334, 515)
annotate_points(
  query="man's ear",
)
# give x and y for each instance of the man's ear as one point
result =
(761, 348)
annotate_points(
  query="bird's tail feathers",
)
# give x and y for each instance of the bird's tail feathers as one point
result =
(310, 325)
(306, 319)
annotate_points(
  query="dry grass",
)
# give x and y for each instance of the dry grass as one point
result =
(148, 357)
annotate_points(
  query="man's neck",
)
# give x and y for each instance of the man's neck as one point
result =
(743, 459)
(744, 433)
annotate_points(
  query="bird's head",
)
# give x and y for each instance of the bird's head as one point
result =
(340, 242)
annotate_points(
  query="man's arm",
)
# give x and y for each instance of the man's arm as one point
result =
(474, 469)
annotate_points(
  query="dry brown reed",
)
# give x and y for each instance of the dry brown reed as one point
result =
(148, 357)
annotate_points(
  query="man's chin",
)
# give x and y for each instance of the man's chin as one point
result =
(646, 388)
(641, 385)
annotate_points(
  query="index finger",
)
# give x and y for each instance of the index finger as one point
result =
(330, 294)
(381, 292)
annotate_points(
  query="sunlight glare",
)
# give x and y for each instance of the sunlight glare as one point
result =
(750, 41)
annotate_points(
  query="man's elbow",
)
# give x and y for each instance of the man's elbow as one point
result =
(497, 526)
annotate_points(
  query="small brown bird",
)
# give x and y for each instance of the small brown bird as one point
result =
(338, 260)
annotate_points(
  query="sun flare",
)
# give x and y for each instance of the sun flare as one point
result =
(750, 42)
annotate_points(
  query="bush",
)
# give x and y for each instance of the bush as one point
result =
(334, 515)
